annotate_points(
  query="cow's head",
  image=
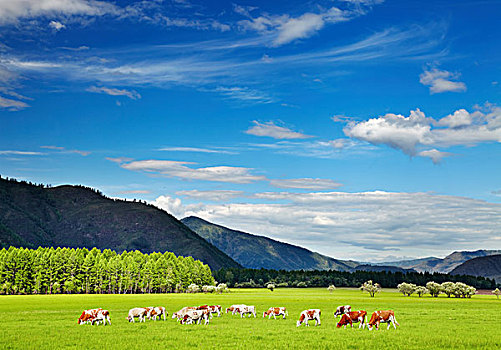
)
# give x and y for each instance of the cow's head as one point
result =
(343, 321)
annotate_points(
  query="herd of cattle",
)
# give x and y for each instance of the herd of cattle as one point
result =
(197, 314)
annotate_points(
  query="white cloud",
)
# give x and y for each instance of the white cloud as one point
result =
(306, 183)
(181, 170)
(22, 153)
(214, 195)
(435, 155)
(195, 149)
(56, 25)
(64, 150)
(12, 11)
(345, 225)
(412, 134)
(245, 94)
(269, 129)
(134, 95)
(171, 205)
(441, 81)
(12, 105)
(119, 160)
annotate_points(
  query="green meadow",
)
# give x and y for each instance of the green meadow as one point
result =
(50, 321)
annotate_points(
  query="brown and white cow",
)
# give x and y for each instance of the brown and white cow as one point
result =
(353, 317)
(307, 315)
(94, 316)
(180, 314)
(384, 316)
(343, 309)
(157, 311)
(191, 316)
(245, 309)
(139, 312)
(276, 311)
(233, 307)
(215, 309)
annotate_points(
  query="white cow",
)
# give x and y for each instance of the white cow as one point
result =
(244, 309)
(101, 317)
(139, 312)
(276, 311)
(232, 308)
(157, 311)
(307, 315)
(195, 316)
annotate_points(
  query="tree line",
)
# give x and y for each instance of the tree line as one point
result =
(69, 270)
(321, 278)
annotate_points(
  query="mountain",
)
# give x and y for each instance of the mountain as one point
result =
(444, 265)
(76, 216)
(257, 252)
(485, 266)
(380, 268)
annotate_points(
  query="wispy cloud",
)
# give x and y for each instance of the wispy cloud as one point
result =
(441, 81)
(57, 26)
(178, 169)
(306, 183)
(195, 149)
(245, 94)
(22, 153)
(134, 95)
(270, 129)
(64, 150)
(12, 105)
(213, 195)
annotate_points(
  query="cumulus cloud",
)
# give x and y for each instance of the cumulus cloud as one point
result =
(435, 155)
(306, 183)
(270, 129)
(132, 94)
(181, 170)
(349, 225)
(414, 133)
(214, 195)
(441, 81)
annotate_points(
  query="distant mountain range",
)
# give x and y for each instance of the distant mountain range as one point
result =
(485, 266)
(75, 216)
(257, 252)
(444, 265)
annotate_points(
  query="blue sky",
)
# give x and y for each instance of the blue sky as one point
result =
(361, 129)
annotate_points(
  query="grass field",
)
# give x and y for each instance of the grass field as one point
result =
(44, 321)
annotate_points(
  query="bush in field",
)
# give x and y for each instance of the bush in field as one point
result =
(462, 290)
(371, 288)
(420, 290)
(434, 288)
(406, 288)
(283, 284)
(193, 288)
(496, 292)
(209, 289)
(448, 288)
(222, 288)
(302, 285)
(331, 288)
(270, 286)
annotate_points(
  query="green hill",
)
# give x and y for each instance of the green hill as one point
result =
(257, 252)
(485, 266)
(76, 216)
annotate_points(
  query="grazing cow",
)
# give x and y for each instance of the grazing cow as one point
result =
(88, 316)
(307, 315)
(102, 316)
(385, 316)
(353, 317)
(139, 312)
(215, 309)
(244, 309)
(344, 309)
(157, 311)
(195, 315)
(275, 311)
(180, 314)
(233, 307)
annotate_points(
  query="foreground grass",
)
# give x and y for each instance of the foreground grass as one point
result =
(41, 322)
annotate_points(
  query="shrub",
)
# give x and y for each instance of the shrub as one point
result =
(448, 288)
(420, 290)
(193, 288)
(496, 292)
(434, 288)
(222, 288)
(271, 287)
(406, 288)
(331, 288)
(371, 288)
(302, 285)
